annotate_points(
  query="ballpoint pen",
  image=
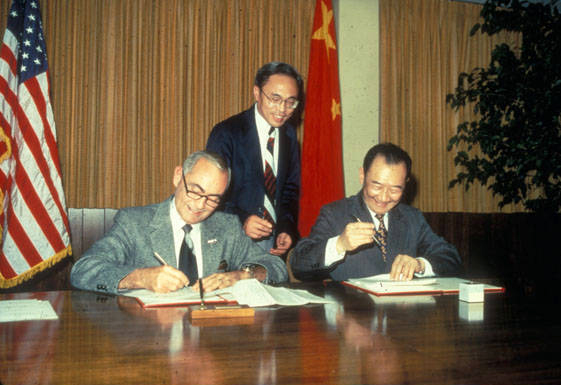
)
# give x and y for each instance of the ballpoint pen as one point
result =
(161, 260)
(373, 236)
(202, 291)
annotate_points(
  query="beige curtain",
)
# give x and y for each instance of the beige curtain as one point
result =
(136, 85)
(424, 45)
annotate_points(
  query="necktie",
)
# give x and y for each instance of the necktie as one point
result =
(187, 260)
(270, 179)
(381, 236)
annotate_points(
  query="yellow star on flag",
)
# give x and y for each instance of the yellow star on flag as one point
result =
(335, 109)
(322, 33)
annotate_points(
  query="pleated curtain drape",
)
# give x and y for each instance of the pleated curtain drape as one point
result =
(136, 85)
(424, 46)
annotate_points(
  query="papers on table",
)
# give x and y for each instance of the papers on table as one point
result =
(185, 296)
(253, 293)
(383, 285)
(249, 292)
(26, 310)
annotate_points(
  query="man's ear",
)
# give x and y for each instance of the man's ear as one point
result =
(177, 174)
(361, 176)
(256, 92)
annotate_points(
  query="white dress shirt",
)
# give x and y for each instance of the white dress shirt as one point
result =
(263, 132)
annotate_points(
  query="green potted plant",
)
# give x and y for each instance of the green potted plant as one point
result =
(514, 144)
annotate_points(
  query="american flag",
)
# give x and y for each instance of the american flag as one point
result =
(33, 218)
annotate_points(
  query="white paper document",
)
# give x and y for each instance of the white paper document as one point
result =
(26, 310)
(253, 293)
(185, 296)
(249, 292)
(383, 285)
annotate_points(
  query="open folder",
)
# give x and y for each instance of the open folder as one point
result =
(382, 285)
(249, 292)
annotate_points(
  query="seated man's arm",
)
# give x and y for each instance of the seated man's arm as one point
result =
(241, 253)
(161, 279)
(308, 259)
(442, 256)
(113, 259)
(246, 252)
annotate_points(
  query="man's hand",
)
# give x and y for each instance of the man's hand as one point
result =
(404, 267)
(221, 280)
(355, 234)
(161, 279)
(284, 241)
(257, 228)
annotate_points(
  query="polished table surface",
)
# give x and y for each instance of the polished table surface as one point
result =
(359, 339)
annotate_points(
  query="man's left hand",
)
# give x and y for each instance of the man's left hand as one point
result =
(283, 244)
(404, 267)
(220, 280)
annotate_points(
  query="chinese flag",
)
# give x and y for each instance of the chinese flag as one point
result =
(322, 166)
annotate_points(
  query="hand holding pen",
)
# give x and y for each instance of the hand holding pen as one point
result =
(373, 237)
(355, 235)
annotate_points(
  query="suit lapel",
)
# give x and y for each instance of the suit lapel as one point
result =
(211, 246)
(396, 237)
(283, 159)
(252, 146)
(161, 234)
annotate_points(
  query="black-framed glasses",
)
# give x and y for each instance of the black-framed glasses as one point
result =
(276, 100)
(211, 200)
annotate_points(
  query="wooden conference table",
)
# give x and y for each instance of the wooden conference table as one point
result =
(101, 339)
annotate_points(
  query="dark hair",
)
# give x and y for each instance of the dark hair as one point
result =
(277, 68)
(392, 153)
(212, 157)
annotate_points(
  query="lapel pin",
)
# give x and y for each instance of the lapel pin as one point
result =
(211, 241)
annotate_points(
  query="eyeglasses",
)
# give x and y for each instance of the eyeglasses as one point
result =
(211, 201)
(276, 100)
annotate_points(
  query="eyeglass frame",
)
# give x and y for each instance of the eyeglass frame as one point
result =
(196, 196)
(281, 101)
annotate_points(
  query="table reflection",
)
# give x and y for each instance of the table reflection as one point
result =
(32, 344)
(101, 339)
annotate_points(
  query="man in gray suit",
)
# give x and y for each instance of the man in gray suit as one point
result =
(125, 258)
(372, 232)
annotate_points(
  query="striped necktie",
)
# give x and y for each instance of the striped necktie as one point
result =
(381, 236)
(270, 179)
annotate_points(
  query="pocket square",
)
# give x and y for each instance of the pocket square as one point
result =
(211, 241)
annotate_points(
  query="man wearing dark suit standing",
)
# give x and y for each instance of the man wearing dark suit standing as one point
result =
(372, 232)
(185, 231)
(261, 148)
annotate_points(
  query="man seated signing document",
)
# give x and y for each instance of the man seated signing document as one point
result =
(169, 245)
(372, 232)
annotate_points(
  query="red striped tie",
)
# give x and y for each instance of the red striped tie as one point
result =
(270, 179)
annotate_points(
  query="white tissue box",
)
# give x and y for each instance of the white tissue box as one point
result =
(471, 292)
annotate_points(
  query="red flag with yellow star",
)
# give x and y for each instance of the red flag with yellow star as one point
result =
(322, 165)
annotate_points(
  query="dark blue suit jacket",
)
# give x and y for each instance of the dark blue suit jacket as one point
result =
(237, 141)
(408, 233)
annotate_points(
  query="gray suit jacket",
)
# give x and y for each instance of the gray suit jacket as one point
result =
(408, 233)
(138, 232)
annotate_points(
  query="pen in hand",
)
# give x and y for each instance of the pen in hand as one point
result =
(202, 291)
(373, 237)
(161, 260)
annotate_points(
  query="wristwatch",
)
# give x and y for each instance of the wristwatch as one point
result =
(250, 268)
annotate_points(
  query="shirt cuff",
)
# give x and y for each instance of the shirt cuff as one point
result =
(428, 269)
(331, 254)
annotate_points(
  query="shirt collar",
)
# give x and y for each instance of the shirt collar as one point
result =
(262, 125)
(176, 221)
